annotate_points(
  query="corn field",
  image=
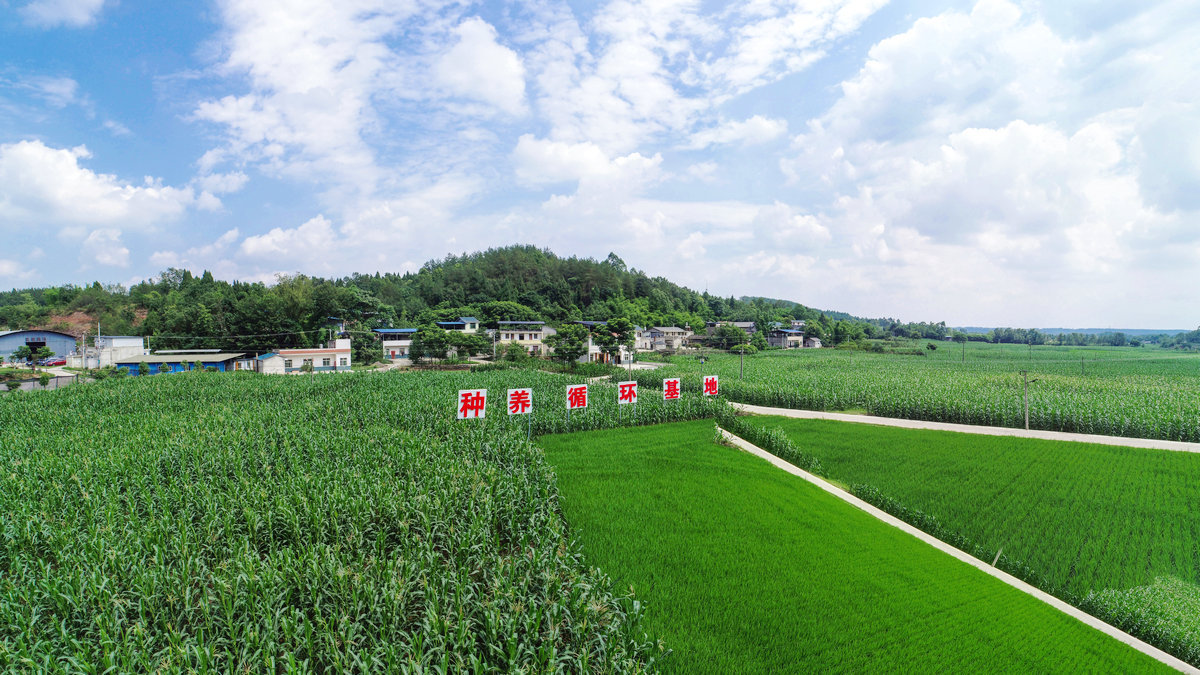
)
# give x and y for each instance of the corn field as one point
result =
(232, 522)
(1121, 392)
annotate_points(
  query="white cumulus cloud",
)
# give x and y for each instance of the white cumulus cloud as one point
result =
(478, 67)
(45, 185)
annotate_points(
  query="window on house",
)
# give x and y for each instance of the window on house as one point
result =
(325, 363)
(308, 362)
(342, 362)
(287, 363)
(522, 336)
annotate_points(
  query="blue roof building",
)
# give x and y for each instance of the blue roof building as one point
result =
(59, 343)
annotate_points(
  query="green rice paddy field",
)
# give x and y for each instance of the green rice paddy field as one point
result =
(1114, 529)
(744, 568)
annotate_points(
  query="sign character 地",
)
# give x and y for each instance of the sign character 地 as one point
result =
(577, 396)
(671, 389)
(627, 393)
(472, 403)
(520, 401)
(710, 385)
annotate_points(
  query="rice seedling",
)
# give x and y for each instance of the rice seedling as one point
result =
(748, 569)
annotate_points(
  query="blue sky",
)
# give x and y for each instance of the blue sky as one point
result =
(989, 163)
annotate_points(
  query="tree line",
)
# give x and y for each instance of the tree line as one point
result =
(180, 310)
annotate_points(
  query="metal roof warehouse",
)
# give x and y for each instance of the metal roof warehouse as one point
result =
(176, 363)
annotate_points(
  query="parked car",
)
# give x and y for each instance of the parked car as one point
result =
(55, 361)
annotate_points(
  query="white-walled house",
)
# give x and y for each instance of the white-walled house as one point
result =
(786, 338)
(667, 337)
(595, 354)
(397, 342)
(529, 334)
(335, 359)
(643, 343)
(467, 324)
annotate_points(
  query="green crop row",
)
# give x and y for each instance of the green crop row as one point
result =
(1124, 394)
(333, 523)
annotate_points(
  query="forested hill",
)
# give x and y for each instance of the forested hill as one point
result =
(789, 305)
(181, 310)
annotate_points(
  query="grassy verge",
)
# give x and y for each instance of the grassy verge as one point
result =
(1075, 519)
(747, 569)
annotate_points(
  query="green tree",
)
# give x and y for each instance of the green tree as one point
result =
(726, 336)
(758, 340)
(743, 348)
(614, 335)
(468, 344)
(514, 352)
(429, 342)
(25, 353)
(569, 343)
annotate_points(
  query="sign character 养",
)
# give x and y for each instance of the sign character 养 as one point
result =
(520, 401)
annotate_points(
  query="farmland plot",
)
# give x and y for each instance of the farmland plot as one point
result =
(1122, 392)
(748, 569)
(341, 523)
(1115, 530)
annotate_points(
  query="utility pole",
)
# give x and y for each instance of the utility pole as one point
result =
(741, 362)
(1025, 375)
(964, 352)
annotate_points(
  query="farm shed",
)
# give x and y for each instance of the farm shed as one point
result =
(178, 363)
(59, 343)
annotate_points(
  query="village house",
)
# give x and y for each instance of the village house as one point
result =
(328, 359)
(397, 342)
(747, 327)
(595, 354)
(529, 334)
(463, 323)
(642, 341)
(786, 338)
(667, 337)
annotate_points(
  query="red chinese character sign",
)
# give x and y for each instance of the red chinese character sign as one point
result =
(520, 401)
(576, 396)
(710, 385)
(626, 393)
(472, 403)
(671, 389)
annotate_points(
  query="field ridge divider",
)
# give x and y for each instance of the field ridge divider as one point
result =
(1011, 432)
(1069, 610)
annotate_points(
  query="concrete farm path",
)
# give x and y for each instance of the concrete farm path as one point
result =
(1063, 607)
(1151, 443)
